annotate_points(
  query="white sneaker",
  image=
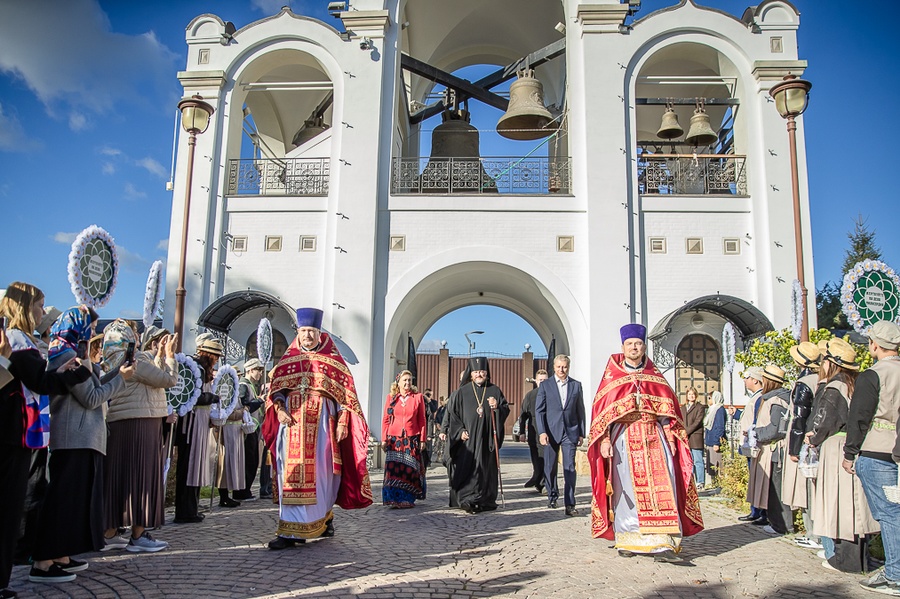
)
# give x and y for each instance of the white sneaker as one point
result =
(145, 543)
(828, 566)
(821, 554)
(770, 530)
(116, 542)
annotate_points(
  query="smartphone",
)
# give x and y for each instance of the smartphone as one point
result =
(82, 351)
(129, 354)
(3, 322)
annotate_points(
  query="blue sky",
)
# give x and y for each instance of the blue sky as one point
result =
(87, 108)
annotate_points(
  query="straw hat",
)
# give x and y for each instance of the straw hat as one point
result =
(841, 353)
(806, 354)
(211, 346)
(773, 373)
(51, 313)
(251, 364)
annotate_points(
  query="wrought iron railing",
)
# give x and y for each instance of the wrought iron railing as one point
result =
(499, 174)
(689, 174)
(278, 176)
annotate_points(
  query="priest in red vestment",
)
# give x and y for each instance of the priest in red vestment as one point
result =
(318, 435)
(643, 489)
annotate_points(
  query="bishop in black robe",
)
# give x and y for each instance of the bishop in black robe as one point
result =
(475, 434)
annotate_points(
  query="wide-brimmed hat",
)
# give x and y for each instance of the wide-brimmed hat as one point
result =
(754, 372)
(841, 353)
(886, 334)
(806, 354)
(773, 373)
(211, 346)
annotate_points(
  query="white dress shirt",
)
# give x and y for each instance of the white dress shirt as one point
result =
(563, 386)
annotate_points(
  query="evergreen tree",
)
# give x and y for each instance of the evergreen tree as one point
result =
(828, 307)
(862, 245)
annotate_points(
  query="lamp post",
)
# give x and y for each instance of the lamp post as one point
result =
(791, 99)
(472, 343)
(195, 115)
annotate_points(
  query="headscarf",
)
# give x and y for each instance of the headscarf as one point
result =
(116, 337)
(717, 400)
(72, 326)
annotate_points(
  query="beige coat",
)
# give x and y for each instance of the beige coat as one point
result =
(838, 507)
(144, 396)
(761, 465)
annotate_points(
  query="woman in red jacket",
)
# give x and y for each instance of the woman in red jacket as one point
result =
(403, 436)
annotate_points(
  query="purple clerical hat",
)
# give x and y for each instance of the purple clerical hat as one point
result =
(309, 317)
(633, 331)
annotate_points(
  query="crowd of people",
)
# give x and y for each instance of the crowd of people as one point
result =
(86, 429)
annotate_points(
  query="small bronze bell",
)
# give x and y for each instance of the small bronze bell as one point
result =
(526, 118)
(700, 133)
(670, 129)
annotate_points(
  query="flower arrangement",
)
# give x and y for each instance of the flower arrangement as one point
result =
(264, 340)
(93, 267)
(870, 292)
(184, 394)
(153, 293)
(796, 309)
(225, 385)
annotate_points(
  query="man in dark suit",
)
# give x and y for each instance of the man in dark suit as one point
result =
(528, 432)
(560, 425)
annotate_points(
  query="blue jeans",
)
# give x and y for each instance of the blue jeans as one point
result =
(827, 546)
(875, 474)
(699, 470)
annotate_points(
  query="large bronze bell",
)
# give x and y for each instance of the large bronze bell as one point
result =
(526, 118)
(670, 129)
(700, 133)
(309, 130)
(455, 163)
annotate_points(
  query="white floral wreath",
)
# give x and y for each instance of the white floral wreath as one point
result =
(221, 410)
(191, 388)
(264, 340)
(153, 293)
(728, 346)
(94, 294)
(796, 310)
(848, 289)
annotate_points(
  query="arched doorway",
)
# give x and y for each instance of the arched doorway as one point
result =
(698, 364)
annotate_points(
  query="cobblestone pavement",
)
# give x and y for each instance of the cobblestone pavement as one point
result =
(522, 550)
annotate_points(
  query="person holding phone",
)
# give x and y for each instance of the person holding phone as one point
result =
(134, 490)
(73, 507)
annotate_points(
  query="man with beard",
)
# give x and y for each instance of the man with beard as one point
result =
(641, 466)
(477, 414)
(315, 425)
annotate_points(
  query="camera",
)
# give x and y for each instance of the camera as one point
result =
(129, 354)
(4, 321)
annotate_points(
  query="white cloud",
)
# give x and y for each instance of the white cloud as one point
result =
(429, 346)
(77, 121)
(77, 61)
(107, 151)
(133, 193)
(153, 166)
(108, 168)
(130, 261)
(12, 134)
(163, 245)
(269, 7)
(64, 238)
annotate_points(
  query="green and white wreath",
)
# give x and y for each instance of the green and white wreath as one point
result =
(93, 267)
(870, 293)
(225, 385)
(182, 397)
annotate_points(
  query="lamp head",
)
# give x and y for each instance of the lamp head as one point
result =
(791, 96)
(195, 114)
